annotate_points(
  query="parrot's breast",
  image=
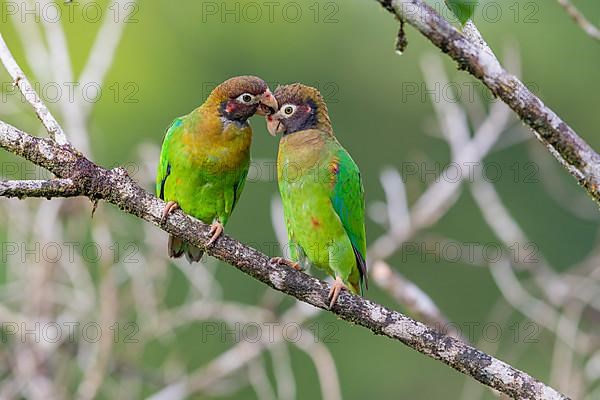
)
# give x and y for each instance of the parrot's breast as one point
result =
(208, 165)
(304, 173)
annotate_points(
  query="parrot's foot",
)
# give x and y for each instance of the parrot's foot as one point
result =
(334, 292)
(169, 208)
(216, 228)
(285, 261)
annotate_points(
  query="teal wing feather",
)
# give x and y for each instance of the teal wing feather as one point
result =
(164, 166)
(348, 199)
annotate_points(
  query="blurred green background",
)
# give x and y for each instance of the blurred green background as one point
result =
(173, 53)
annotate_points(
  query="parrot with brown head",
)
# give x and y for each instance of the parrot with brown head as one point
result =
(321, 190)
(205, 157)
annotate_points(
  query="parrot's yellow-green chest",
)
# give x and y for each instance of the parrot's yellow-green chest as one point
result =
(304, 165)
(218, 148)
(300, 155)
(206, 161)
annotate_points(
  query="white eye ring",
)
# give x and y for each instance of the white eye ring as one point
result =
(245, 98)
(288, 110)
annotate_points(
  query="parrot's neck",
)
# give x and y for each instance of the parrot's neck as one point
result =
(237, 123)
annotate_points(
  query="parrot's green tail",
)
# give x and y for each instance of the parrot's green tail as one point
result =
(179, 247)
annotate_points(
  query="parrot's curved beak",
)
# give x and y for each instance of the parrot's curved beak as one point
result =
(268, 104)
(274, 125)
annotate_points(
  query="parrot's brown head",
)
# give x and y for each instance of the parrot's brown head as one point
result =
(301, 107)
(239, 98)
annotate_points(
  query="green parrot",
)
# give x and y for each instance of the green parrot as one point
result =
(321, 191)
(205, 157)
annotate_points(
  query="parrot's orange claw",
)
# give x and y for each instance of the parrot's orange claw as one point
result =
(169, 208)
(285, 261)
(216, 229)
(334, 292)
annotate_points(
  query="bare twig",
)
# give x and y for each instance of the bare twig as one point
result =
(39, 188)
(582, 162)
(407, 293)
(96, 369)
(404, 223)
(551, 313)
(33, 45)
(324, 363)
(103, 50)
(590, 29)
(440, 196)
(233, 359)
(30, 95)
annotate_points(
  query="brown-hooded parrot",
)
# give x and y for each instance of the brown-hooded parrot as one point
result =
(321, 190)
(205, 157)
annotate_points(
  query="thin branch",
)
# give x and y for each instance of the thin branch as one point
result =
(59, 57)
(433, 203)
(33, 45)
(283, 372)
(39, 188)
(19, 79)
(440, 196)
(60, 61)
(96, 369)
(509, 232)
(259, 380)
(590, 29)
(103, 50)
(233, 359)
(324, 363)
(408, 294)
(117, 188)
(562, 141)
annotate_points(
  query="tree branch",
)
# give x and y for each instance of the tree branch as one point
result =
(20, 81)
(590, 29)
(409, 294)
(39, 188)
(117, 188)
(562, 141)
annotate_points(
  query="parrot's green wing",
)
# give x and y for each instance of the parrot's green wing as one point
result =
(348, 199)
(239, 186)
(164, 167)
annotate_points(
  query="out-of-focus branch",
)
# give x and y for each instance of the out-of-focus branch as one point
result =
(408, 294)
(437, 199)
(103, 50)
(582, 162)
(405, 292)
(590, 29)
(30, 95)
(240, 356)
(440, 196)
(553, 311)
